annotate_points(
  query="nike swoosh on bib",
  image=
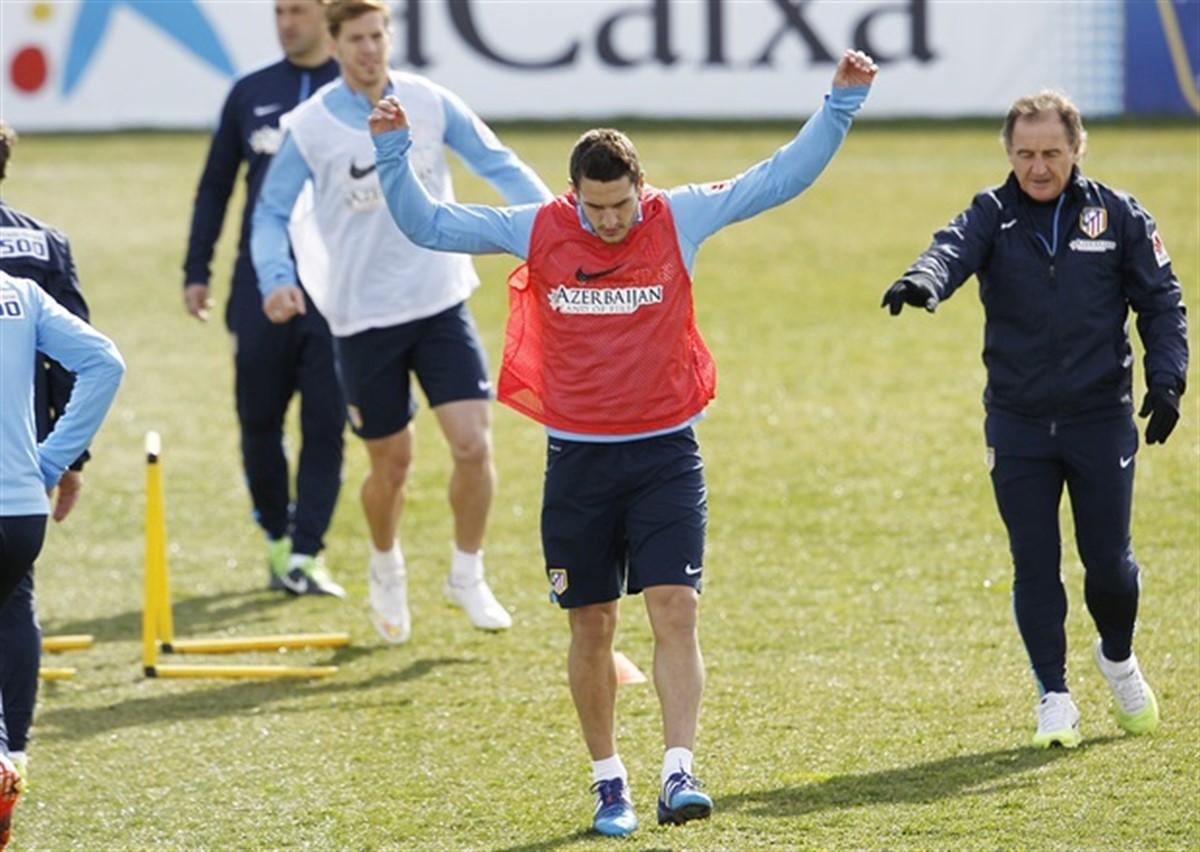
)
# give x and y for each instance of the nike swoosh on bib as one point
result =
(580, 275)
(357, 173)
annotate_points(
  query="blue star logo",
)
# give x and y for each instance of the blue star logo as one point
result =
(182, 20)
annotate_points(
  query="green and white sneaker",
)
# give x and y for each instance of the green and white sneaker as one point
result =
(309, 576)
(279, 552)
(1058, 721)
(1134, 704)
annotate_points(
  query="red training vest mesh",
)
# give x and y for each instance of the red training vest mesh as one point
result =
(602, 339)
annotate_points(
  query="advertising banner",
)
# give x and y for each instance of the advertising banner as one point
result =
(1162, 57)
(107, 64)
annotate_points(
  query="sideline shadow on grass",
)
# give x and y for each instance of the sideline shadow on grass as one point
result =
(196, 616)
(962, 775)
(80, 723)
(922, 783)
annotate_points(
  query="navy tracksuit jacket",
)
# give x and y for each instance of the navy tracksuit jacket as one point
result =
(1057, 283)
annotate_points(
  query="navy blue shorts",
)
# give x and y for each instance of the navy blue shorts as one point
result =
(373, 366)
(620, 517)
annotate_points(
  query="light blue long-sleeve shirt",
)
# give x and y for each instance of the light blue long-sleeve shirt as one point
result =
(289, 171)
(32, 322)
(699, 210)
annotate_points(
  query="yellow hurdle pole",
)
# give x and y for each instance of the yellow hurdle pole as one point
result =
(166, 619)
(150, 593)
(233, 644)
(174, 671)
(46, 673)
(57, 644)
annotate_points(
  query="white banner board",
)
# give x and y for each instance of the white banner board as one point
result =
(104, 64)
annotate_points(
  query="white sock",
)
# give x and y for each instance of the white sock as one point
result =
(389, 561)
(674, 760)
(1117, 669)
(466, 569)
(610, 767)
(297, 560)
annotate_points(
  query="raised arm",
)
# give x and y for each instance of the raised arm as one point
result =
(702, 210)
(486, 156)
(432, 224)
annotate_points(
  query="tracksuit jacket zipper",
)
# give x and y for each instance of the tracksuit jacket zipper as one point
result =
(1051, 248)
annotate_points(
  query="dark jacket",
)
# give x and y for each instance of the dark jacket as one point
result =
(248, 130)
(34, 250)
(1056, 341)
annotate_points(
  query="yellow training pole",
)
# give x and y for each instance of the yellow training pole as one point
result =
(241, 671)
(56, 644)
(46, 673)
(153, 554)
(234, 644)
(162, 587)
(158, 624)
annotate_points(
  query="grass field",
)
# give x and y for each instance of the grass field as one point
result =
(867, 687)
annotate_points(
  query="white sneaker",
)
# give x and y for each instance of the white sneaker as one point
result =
(480, 605)
(1134, 703)
(387, 593)
(1058, 721)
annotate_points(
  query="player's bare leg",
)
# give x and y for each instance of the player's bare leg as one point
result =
(383, 502)
(679, 681)
(593, 675)
(593, 678)
(466, 425)
(383, 489)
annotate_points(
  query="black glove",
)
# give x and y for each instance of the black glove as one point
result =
(1161, 405)
(909, 292)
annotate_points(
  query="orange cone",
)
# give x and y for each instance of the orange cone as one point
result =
(627, 672)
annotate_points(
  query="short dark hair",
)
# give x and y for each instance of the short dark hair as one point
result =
(340, 11)
(1048, 101)
(8, 138)
(604, 154)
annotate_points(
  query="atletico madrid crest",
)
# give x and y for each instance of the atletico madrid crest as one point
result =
(558, 580)
(1093, 221)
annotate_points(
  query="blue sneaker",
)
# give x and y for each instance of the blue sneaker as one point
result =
(681, 800)
(614, 815)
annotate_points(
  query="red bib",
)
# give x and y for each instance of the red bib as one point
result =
(602, 338)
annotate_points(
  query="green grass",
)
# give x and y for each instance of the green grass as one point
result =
(866, 685)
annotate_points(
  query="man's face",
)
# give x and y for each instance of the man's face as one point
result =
(610, 206)
(300, 25)
(1041, 155)
(362, 47)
